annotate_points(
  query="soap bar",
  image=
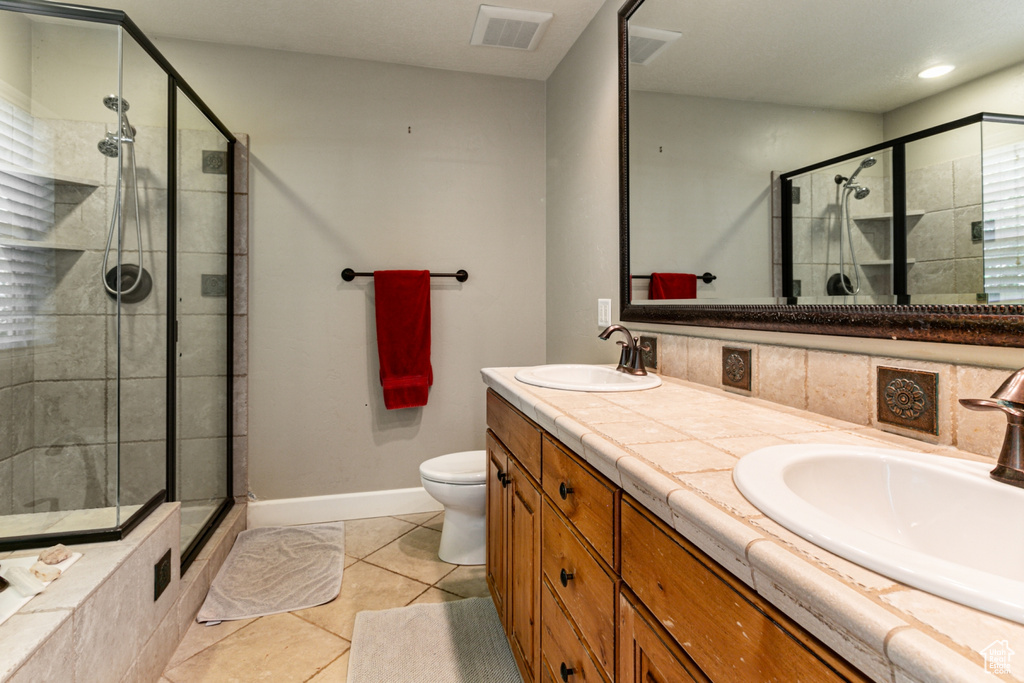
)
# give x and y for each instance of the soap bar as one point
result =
(55, 555)
(24, 582)
(44, 572)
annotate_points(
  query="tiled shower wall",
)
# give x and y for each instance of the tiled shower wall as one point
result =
(947, 260)
(843, 386)
(59, 400)
(943, 199)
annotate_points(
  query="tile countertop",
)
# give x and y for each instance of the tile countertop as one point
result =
(673, 449)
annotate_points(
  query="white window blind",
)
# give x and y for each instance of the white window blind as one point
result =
(1003, 195)
(26, 215)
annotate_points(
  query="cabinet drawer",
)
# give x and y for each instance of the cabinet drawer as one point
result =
(583, 495)
(520, 436)
(561, 649)
(582, 585)
(729, 631)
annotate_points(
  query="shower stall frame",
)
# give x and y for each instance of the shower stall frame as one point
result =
(175, 83)
(897, 147)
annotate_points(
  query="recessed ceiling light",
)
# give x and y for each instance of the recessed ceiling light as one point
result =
(936, 71)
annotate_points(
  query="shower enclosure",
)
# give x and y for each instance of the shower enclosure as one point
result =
(935, 217)
(115, 283)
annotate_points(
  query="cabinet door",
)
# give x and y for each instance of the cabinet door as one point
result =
(497, 529)
(523, 560)
(647, 654)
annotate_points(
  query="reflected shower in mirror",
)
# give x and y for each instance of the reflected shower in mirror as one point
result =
(722, 100)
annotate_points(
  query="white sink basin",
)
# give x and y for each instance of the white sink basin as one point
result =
(585, 378)
(935, 523)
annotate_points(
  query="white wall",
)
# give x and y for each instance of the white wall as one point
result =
(999, 93)
(338, 180)
(583, 194)
(15, 59)
(700, 181)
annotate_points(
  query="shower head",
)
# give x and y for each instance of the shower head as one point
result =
(867, 162)
(109, 146)
(861, 192)
(115, 103)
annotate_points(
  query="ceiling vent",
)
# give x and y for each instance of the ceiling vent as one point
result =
(515, 28)
(647, 43)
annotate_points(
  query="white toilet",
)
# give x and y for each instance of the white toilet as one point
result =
(459, 482)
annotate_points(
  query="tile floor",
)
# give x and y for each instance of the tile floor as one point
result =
(390, 562)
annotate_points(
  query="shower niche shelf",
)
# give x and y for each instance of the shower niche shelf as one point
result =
(885, 262)
(57, 178)
(887, 216)
(39, 244)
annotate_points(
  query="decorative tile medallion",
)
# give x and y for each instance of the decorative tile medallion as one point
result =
(908, 399)
(736, 370)
(215, 161)
(649, 347)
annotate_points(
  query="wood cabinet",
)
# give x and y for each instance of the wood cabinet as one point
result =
(647, 653)
(564, 657)
(524, 557)
(727, 629)
(497, 527)
(585, 497)
(592, 587)
(514, 530)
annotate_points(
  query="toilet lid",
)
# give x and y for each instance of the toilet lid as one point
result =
(467, 467)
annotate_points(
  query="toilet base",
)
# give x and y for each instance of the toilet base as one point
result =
(463, 538)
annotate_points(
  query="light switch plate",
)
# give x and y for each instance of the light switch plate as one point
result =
(604, 312)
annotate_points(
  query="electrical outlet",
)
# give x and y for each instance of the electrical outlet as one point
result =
(604, 312)
(161, 575)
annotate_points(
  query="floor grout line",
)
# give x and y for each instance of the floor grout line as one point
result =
(346, 642)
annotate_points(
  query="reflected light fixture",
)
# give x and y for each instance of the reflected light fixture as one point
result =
(936, 71)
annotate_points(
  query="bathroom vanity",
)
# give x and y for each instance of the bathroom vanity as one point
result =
(618, 549)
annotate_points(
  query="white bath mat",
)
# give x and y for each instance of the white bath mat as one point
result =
(277, 569)
(448, 642)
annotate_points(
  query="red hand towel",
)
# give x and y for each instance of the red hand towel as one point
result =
(402, 304)
(673, 286)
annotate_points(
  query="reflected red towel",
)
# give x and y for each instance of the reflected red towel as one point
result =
(402, 305)
(673, 286)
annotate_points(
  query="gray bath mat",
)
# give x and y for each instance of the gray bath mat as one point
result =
(448, 642)
(277, 569)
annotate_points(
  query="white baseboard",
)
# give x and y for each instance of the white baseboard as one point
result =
(339, 507)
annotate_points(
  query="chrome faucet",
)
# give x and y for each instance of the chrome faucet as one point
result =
(631, 359)
(1008, 398)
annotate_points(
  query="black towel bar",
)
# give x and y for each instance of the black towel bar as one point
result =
(706, 277)
(348, 275)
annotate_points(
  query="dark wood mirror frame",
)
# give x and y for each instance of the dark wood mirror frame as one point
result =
(985, 325)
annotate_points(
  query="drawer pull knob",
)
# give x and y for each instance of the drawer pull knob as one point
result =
(504, 479)
(566, 671)
(565, 577)
(564, 490)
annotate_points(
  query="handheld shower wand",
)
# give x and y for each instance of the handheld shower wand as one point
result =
(124, 279)
(843, 202)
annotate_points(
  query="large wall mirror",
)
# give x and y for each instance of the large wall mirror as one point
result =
(785, 167)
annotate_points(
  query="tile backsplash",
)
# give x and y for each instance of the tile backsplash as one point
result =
(845, 386)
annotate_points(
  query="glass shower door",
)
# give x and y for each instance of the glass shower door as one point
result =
(204, 319)
(63, 151)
